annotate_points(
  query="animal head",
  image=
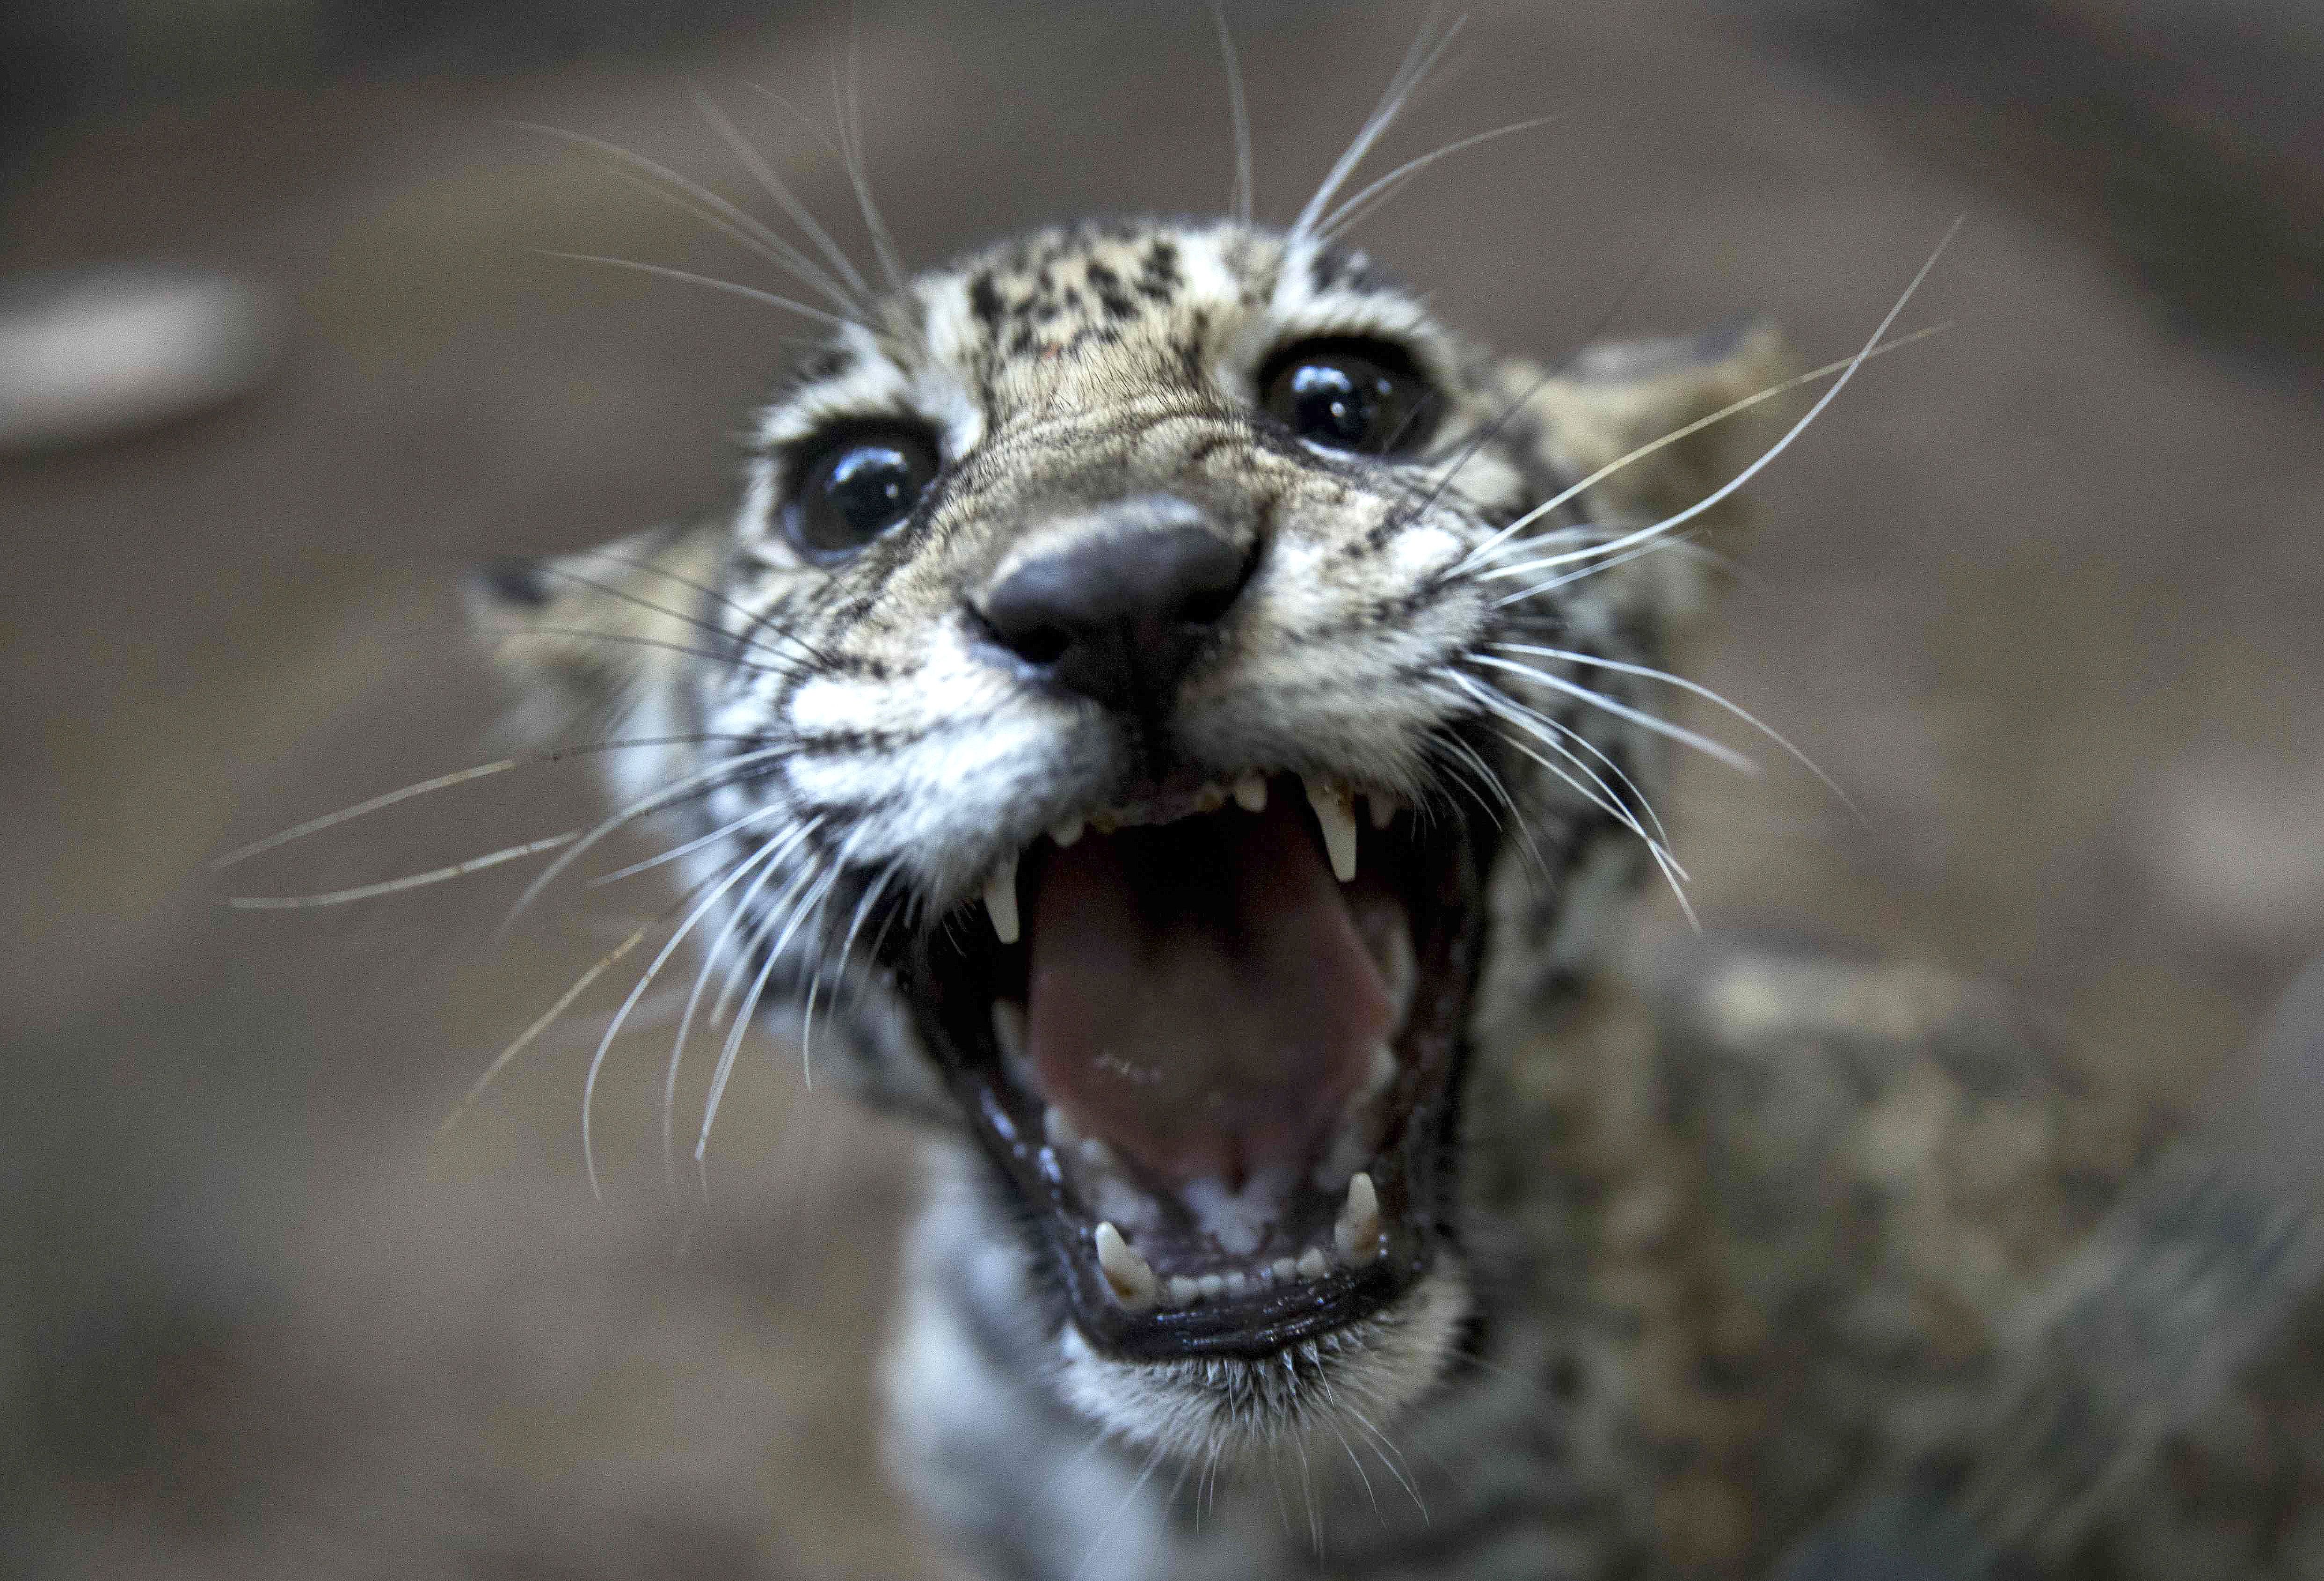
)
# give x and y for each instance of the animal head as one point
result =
(1162, 702)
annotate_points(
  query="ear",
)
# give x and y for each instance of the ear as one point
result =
(1619, 398)
(594, 639)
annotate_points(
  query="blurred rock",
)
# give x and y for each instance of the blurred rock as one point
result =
(95, 354)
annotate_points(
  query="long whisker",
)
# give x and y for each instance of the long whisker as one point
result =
(1378, 191)
(1870, 346)
(800, 911)
(851, 151)
(661, 798)
(1700, 690)
(807, 221)
(315, 826)
(676, 852)
(1553, 734)
(856, 289)
(1097, 1543)
(548, 1018)
(1620, 709)
(632, 640)
(1417, 62)
(703, 204)
(763, 856)
(411, 880)
(694, 998)
(807, 1019)
(690, 278)
(1526, 720)
(1591, 568)
(758, 620)
(554, 569)
(1238, 201)
(1393, 1458)
(1731, 409)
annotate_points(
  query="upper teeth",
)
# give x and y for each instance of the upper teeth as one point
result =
(1001, 898)
(1335, 811)
(1335, 814)
(1356, 1235)
(1127, 1274)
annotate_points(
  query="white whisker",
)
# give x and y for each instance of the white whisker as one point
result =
(764, 855)
(365, 891)
(1238, 201)
(701, 981)
(1871, 345)
(1417, 62)
(1700, 690)
(653, 802)
(1731, 409)
(678, 852)
(1552, 734)
(1621, 710)
(851, 154)
(1378, 192)
(852, 294)
(690, 278)
(800, 911)
(693, 198)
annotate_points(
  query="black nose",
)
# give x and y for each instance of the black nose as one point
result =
(1118, 612)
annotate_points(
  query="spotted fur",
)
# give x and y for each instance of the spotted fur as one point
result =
(1719, 1268)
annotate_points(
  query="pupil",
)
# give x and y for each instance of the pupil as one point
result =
(872, 486)
(1328, 404)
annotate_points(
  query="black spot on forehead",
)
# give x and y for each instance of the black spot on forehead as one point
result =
(1330, 268)
(824, 361)
(985, 300)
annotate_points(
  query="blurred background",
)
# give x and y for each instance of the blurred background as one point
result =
(2042, 594)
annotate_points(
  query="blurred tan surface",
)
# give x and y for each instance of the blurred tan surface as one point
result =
(2040, 594)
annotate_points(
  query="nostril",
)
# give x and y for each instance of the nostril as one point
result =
(1207, 606)
(1119, 612)
(1038, 645)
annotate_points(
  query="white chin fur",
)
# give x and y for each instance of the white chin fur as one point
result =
(1232, 1409)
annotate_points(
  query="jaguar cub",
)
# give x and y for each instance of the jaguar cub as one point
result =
(1184, 722)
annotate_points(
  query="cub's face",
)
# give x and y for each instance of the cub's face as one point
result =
(1143, 709)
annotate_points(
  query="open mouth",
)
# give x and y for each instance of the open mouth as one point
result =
(1210, 1035)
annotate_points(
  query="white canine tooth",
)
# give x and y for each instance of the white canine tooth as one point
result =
(1313, 1264)
(1066, 831)
(1057, 1128)
(1127, 1274)
(1284, 1269)
(1384, 809)
(1210, 799)
(1183, 1291)
(1356, 1235)
(1337, 815)
(1213, 1286)
(1250, 792)
(1097, 1155)
(1000, 900)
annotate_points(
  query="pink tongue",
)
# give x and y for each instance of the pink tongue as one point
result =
(1209, 1040)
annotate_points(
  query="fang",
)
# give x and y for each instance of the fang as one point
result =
(1000, 900)
(1335, 813)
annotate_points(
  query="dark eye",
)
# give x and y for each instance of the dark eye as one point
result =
(1361, 395)
(855, 484)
